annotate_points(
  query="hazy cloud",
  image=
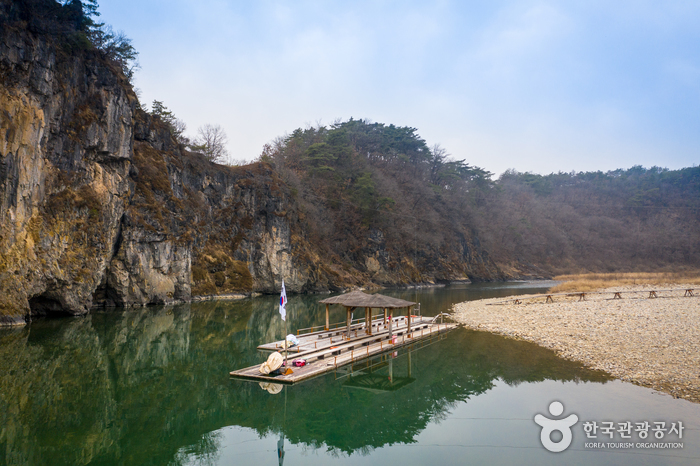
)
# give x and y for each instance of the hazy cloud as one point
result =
(532, 85)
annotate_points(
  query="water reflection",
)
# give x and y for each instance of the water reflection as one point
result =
(151, 386)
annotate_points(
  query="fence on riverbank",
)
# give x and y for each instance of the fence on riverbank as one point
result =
(600, 296)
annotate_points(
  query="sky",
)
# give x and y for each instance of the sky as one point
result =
(535, 86)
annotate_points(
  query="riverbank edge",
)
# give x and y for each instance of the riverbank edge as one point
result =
(12, 321)
(566, 351)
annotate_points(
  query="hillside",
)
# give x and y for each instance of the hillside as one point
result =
(383, 183)
(620, 221)
(377, 199)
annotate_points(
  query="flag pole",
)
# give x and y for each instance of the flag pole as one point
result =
(283, 313)
(280, 442)
(286, 344)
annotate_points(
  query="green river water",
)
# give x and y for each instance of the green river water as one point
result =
(151, 386)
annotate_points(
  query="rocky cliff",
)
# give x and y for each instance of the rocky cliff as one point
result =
(99, 206)
(66, 125)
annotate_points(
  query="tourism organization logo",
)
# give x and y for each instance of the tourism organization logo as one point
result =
(549, 426)
(657, 430)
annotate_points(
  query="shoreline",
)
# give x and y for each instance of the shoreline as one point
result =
(14, 321)
(651, 342)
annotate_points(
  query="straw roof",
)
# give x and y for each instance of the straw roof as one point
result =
(360, 299)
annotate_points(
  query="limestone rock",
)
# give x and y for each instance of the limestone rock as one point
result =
(66, 141)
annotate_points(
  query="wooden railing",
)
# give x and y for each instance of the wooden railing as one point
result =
(335, 326)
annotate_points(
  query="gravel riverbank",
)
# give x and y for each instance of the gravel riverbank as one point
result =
(653, 342)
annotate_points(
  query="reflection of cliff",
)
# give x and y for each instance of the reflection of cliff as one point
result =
(54, 386)
(66, 386)
(136, 387)
(144, 341)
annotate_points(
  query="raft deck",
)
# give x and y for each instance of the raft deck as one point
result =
(325, 351)
(326, 338)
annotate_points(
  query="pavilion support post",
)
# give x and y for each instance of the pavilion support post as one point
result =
(368, 320)
(391, 321)
(408, 312)
(384, 316)
(349, 319)
(328, 325)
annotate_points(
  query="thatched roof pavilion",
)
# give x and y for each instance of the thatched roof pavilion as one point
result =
(358, 299)
(361, 299)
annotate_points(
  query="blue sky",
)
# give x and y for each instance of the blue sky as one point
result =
(540, 86)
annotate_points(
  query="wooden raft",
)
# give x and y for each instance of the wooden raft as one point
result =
(325, 351)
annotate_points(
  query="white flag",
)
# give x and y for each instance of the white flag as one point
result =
(283, 303)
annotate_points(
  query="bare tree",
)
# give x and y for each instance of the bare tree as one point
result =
(178, 128)
(211, 141)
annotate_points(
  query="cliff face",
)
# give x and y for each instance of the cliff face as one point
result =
(66, 128)
(99, 206)
(193, 227)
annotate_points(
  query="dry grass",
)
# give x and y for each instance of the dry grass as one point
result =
(599, 281)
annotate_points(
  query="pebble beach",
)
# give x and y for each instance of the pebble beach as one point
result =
(649, 341)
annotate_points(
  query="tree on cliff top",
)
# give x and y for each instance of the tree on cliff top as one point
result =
(114, 47)
(177, 126)
(355, 178)
(84, 10)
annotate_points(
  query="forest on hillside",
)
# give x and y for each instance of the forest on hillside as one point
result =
(623, 220)
(357, 179)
